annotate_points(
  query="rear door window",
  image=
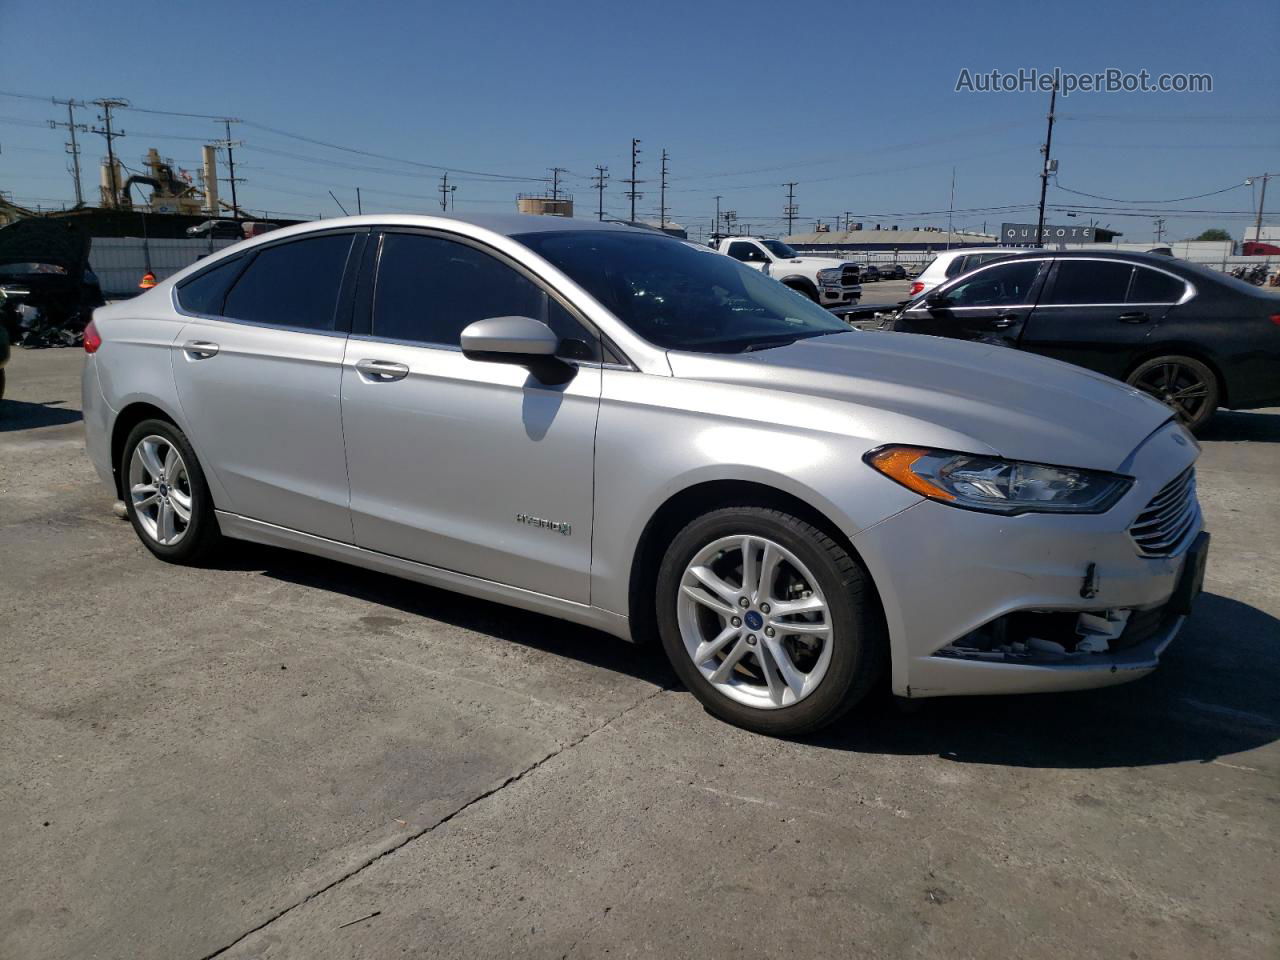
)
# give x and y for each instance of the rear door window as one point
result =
(293, 284)
(746, 252)
(1090, 282)
(955, 267)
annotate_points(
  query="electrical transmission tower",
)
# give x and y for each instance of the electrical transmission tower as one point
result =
(230, 145)
(662, 193)
(602, 174)
(73, 147)
(791, 209)
(633, 194)
(107, 104)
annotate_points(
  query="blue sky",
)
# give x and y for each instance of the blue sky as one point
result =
(856, 102)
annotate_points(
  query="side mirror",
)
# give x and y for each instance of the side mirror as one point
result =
(937, 301)
(519, 340)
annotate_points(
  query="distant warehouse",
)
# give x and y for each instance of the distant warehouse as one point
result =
(925, 239)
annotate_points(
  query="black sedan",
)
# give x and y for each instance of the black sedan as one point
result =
(1190, 336)
(893, 271)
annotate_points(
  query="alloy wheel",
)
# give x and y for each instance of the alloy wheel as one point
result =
(1177, 386)
(160, 490)
(755, 622)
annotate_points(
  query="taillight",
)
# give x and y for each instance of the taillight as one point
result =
(916, 287)
(92, 339)
(1275, 318)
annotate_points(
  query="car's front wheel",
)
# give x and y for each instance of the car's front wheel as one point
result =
(769, 621)
(165, 494)
(1184, 384)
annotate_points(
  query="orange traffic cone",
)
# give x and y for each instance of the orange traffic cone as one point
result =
(148, 281)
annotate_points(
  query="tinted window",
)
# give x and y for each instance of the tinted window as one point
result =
(206, 292)
(1091, 281)
(779, 249)
(293, 284)
(1152, 286)
(746, 252)
(429, 289)
(1005, 284)
(679, 297)
(956, 267)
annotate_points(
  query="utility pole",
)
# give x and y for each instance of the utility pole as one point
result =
(633, 194)
(1159, 225)
(229, 145)
(1044, 170)
(791, 209)
(602, 174)
(107, 104)
(359, 205)
(952, 207)
(73, 148)
(555, 181)
(848, 218)
(1257, 224)
(446, 191)
(716, 229)
(662, 193)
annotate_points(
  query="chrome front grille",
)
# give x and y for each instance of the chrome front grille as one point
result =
(849, 277)
(1165, 524)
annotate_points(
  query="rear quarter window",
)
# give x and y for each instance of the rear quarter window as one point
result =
(206, 292)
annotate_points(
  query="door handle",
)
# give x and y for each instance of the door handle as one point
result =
(382, 371)
(200, 349)
(1004, 320)
(1137, 317)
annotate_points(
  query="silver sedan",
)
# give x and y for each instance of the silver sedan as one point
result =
(627, 431)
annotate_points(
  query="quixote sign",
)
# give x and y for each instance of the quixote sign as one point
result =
(1025, 233)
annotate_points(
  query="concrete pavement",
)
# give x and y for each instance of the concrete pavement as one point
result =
(243, 761)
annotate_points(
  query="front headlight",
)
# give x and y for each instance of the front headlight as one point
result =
(996, 485)
(830, 275)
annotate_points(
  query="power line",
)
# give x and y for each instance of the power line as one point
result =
(1198, 196)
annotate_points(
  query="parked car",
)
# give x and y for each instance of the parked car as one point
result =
(892, 271)
(952, 263)
(870, 273)
(617, 428)
(833, 283)
(4, 347)
(1192, 337)
(48, 258)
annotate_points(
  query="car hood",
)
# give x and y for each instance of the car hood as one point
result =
(1017, 405)
(815, 263)
(45, 240)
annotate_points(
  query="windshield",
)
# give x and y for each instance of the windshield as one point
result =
(779, 249)
(682, 298)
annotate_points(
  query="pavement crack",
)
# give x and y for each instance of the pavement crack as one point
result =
(514, 778)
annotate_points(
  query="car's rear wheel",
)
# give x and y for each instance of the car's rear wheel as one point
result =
(1184, 384)
(165, 494)
(768, 620)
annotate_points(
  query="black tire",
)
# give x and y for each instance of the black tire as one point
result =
(858, 638)
(1, 383)
(804, 290)
(202, 538)
(1184, 384)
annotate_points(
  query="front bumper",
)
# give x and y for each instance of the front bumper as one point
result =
(944, 573)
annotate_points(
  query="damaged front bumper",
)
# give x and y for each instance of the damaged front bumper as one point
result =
(977, 603)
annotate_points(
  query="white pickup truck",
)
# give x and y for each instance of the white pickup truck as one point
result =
(825, 280)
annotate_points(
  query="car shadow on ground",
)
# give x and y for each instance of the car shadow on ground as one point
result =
(1216, 693)
(22, 415)
(548, 634)
(1237, 425)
